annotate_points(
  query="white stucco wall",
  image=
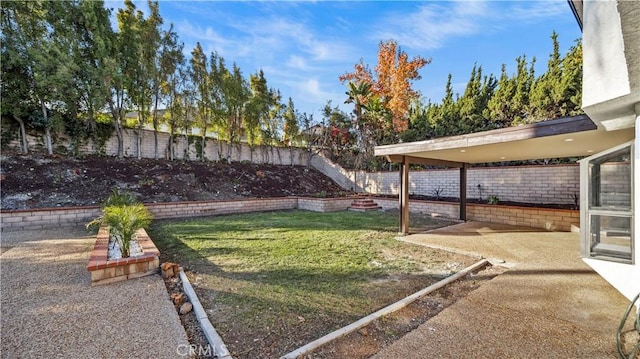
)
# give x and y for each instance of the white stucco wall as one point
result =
(611, 98)
(605, 68)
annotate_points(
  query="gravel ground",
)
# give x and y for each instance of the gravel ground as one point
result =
(49, 308)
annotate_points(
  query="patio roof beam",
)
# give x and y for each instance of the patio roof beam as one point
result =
(424, 161)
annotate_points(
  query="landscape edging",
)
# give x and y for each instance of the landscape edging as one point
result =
(219, 348)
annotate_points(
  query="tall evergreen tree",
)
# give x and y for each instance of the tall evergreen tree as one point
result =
(257, 108)
(201, 79)
(291, 129)
(474, 101)
(170, 62)
(446, 116)
(43, 58)
(236, 93)
(547, 92)
(152, 54)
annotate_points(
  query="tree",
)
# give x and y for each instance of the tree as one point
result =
(555, 93)
(336, 134)
(123, 68)
(273, 123)
(94, 38)
(571, 80)
(510, 103)
(156, 45)
(171, 60)
(311, 136)
(474, 101)
(394, 74)
(419, 125)
(359, 95)
(257, 108)
(500, 106)
(201, 79)
(236, 95)
(17, 101)
(37, 54)
(446, 115)
(291, 129)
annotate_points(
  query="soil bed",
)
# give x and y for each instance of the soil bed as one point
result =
(37, 181)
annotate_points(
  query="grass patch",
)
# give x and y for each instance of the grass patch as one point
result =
(273, 281)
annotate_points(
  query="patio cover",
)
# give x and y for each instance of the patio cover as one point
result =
(575, 136)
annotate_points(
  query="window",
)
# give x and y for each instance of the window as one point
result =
(608, 216)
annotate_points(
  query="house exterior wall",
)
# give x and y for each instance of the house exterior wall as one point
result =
(605, 68)
(611, 98)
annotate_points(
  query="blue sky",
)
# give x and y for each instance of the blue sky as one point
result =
(303, 46)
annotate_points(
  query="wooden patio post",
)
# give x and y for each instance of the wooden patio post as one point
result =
(404, 196)
(463, 192)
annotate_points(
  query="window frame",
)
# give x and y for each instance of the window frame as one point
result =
(588, 211)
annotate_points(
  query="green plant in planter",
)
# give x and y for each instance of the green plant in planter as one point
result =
(116, 198)
(493, 199)
(124, 216)
(125, 221)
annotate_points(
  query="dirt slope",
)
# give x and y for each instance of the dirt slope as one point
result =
(43, 181)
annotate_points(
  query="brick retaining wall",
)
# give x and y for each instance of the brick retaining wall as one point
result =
(552, 219)
(66, 217)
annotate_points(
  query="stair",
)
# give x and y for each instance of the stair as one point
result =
(364, 205)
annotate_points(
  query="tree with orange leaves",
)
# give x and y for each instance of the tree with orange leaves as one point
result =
(394, 74)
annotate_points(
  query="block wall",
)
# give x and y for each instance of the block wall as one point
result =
(552, 219)
(214, 149)
(557, 184)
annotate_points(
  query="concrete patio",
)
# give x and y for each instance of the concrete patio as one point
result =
(549, 304)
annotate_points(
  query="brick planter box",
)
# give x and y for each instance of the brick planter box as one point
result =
(104, 271)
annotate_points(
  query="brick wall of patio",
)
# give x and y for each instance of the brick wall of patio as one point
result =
(556, 184)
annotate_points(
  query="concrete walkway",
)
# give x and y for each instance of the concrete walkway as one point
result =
(50, 310)
(548, 305)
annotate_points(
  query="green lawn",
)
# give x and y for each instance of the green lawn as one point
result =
(292, 276)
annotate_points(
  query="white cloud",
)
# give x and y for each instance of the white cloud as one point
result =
(433, 24)
(289, 35)
(537, 10)
(297, 62)
(210, 40)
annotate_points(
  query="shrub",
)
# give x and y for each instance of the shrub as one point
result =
(125, 221)
(124, 216)
(118, 198)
